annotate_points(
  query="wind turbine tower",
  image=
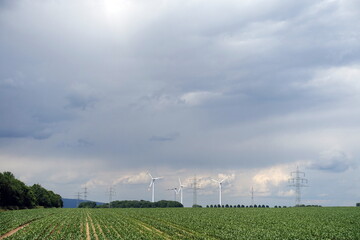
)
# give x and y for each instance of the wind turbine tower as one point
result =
(175, 192)
(181, 191)
(152, 185)
(252, 196)
(220, 187)
(298, 181)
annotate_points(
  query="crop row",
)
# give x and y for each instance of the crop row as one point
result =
(291, 223)
(12, 219)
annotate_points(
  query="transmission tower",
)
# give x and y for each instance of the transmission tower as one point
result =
(195, 188)
(78, 195)
(111, 193)
(298, 181)
(85, 193)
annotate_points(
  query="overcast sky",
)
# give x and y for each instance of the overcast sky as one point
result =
(96, 93)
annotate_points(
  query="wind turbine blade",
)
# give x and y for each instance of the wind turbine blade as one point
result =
(223, 180)
(180, 182)
(215, 180)
(149, 174)
(158, 178)
(151, 183)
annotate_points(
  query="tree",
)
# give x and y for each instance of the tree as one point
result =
(41, 195)
(88, 204)
(14, 193)
(358, 204)
(46, 198)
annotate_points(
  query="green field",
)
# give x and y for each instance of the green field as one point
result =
(185, 223)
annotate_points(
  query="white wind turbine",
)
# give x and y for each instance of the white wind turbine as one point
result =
(181, 191)
(220, 186)
(152, 185)
(175, 192)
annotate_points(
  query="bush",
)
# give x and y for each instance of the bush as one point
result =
(196, 206)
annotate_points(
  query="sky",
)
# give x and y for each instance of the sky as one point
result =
(97, 93)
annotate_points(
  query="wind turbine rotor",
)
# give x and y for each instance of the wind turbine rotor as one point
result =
(223, 180)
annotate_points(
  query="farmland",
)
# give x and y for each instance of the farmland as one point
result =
(187, 223)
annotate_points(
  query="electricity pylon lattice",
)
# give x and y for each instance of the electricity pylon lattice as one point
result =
(85, 193)
(195, 188)
(298, 181)
(111, 194)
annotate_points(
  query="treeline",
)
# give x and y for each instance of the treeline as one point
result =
(14, 194)
(133, 204)
(238, 206)
(255, 206)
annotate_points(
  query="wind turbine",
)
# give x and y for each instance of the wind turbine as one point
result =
(220, 186)
(152, 185)
(181, 191)
(175, 192)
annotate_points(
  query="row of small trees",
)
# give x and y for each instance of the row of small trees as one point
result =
(238, 206)
(133, 204)
(256, 206)
(14, 194)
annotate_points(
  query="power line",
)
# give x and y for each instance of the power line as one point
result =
(298, 181)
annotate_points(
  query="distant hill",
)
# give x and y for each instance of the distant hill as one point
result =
(72, 203)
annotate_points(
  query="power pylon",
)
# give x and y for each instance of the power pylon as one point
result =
(298, 181)
(78, 195)
(195, 188)
(85, 193)
(111, 193)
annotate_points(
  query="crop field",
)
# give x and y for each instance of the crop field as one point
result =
(186, 223)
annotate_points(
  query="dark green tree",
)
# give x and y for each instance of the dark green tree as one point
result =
(88, 204)
(14, 193)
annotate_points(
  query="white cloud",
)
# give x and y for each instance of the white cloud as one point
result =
(198, 98)
(140, 178)
(336, 80)
(271, 177)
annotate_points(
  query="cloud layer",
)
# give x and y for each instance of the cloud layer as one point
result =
(206, 87)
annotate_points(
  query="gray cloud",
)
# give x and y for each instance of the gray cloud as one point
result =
(80, 102)
(165, 138)
(333, 161)
(247, 85)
